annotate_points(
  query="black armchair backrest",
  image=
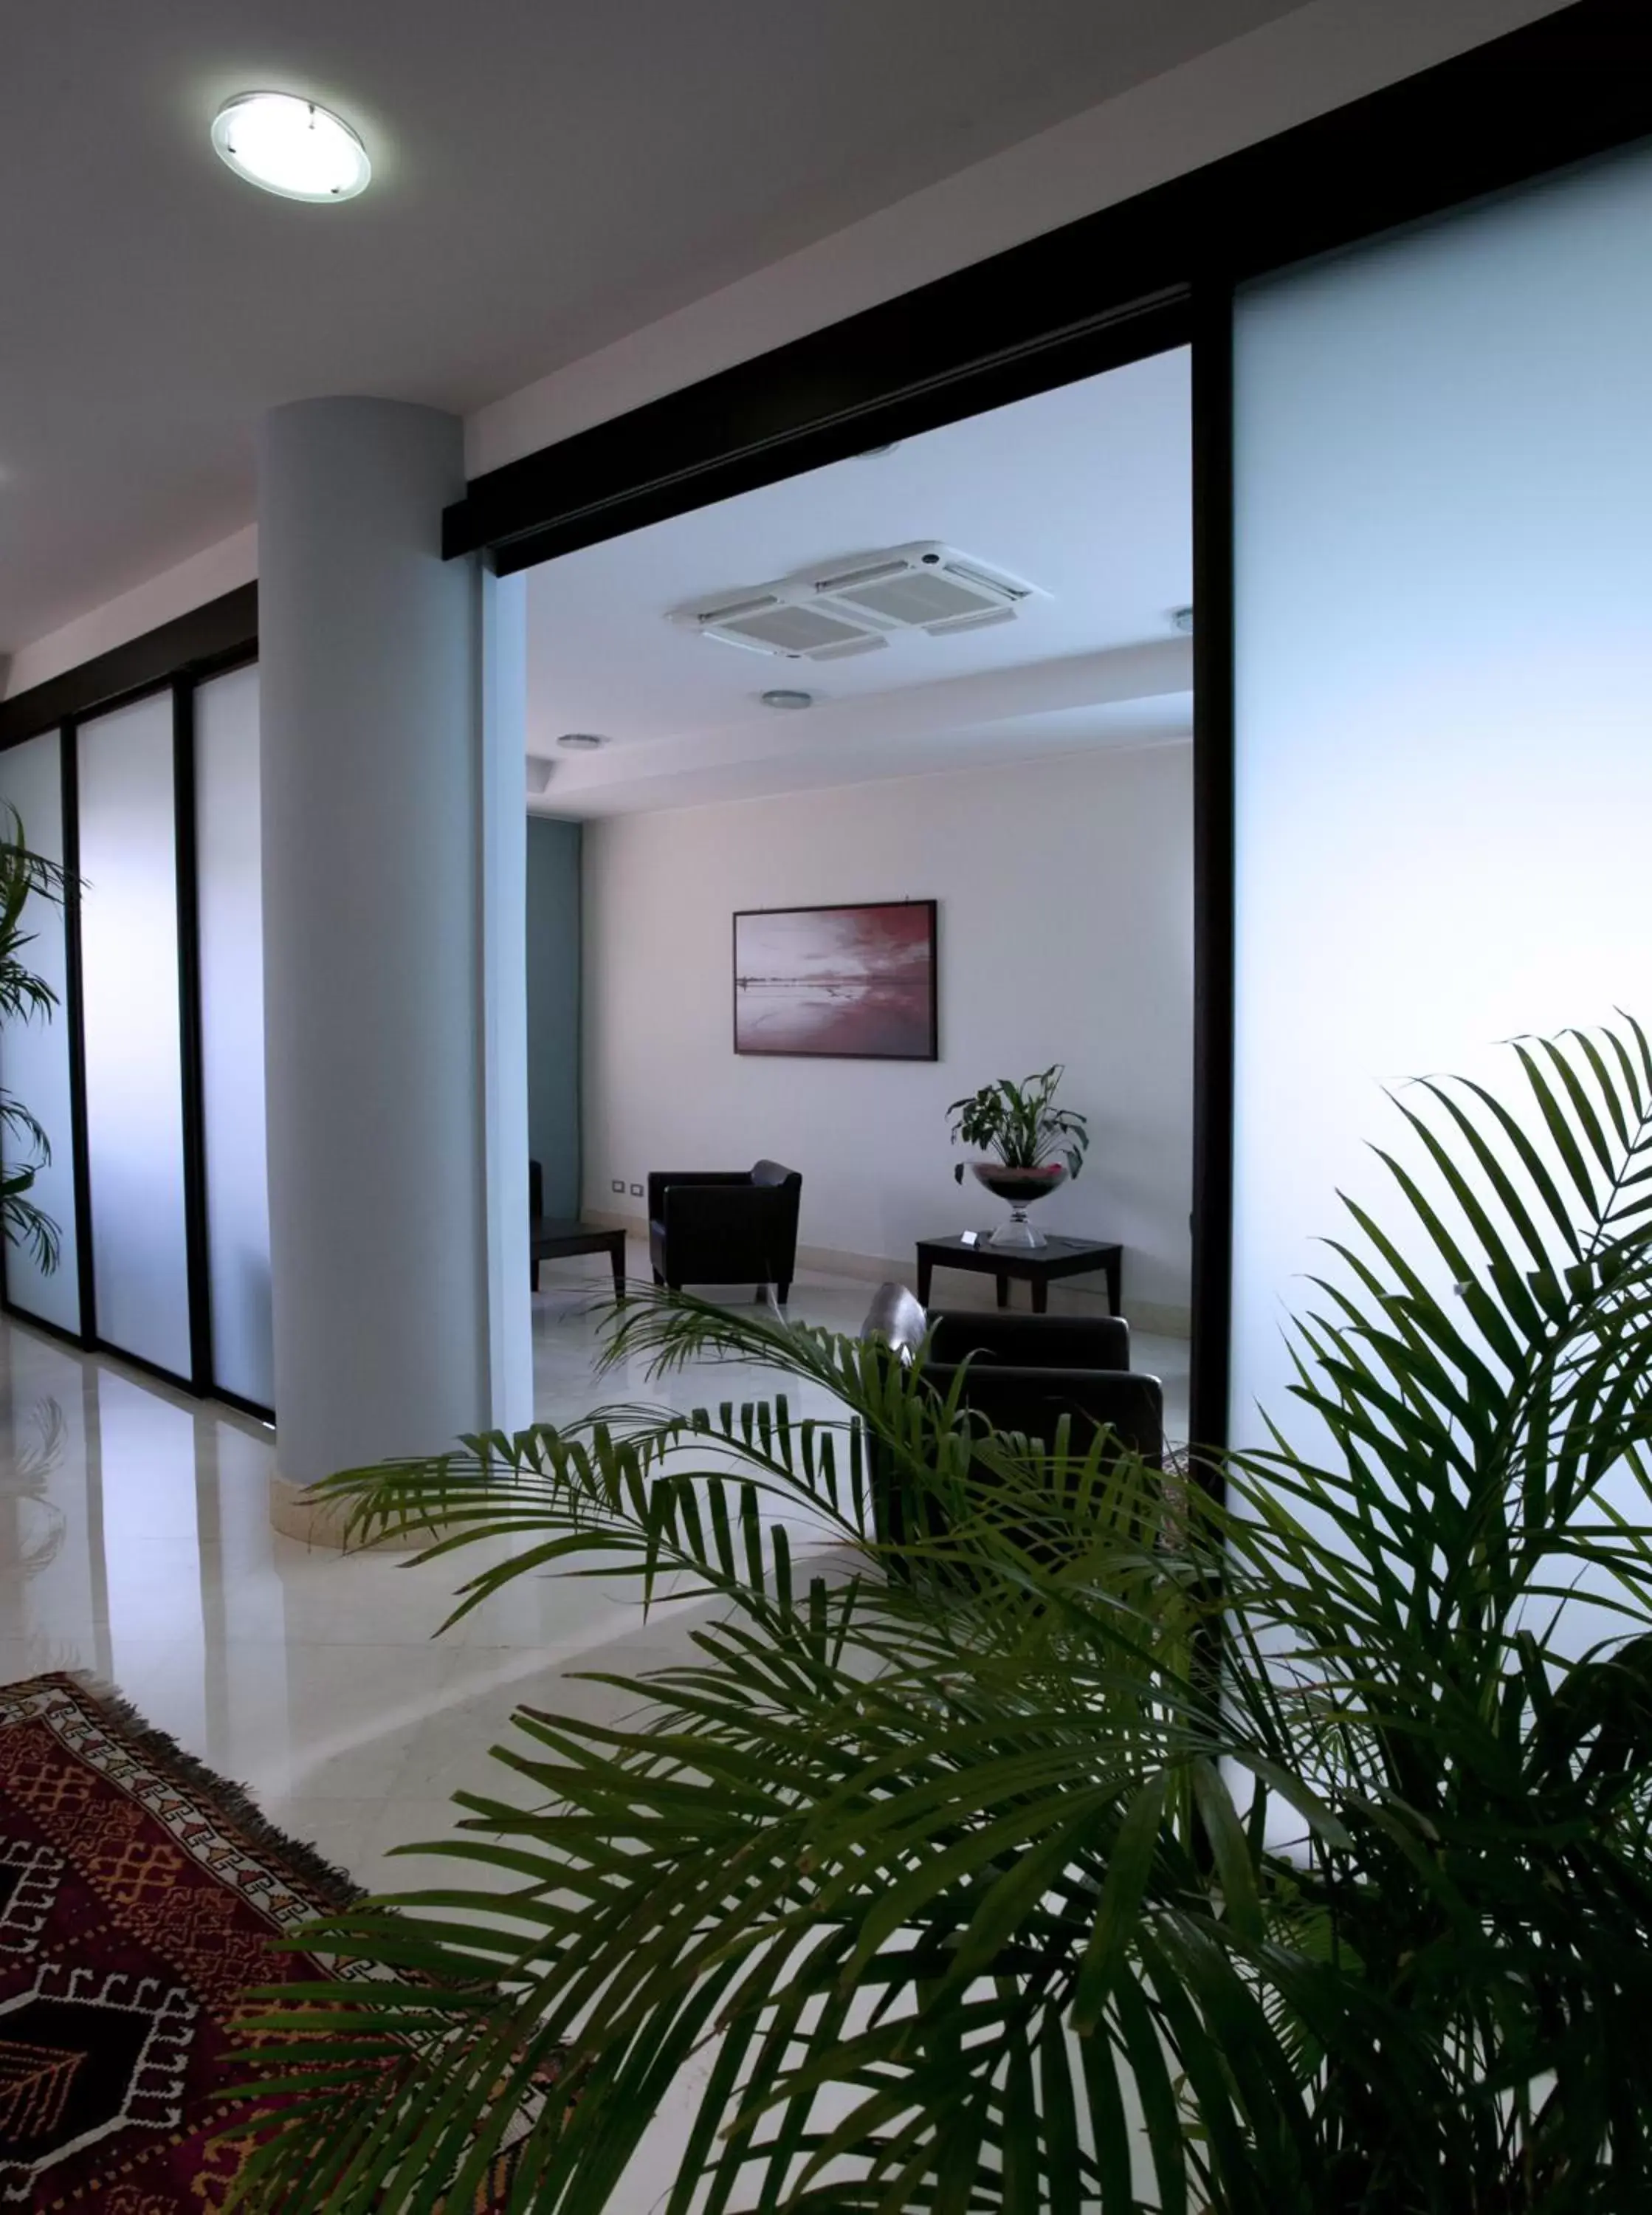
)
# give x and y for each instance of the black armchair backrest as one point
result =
(1031, 1342)
(998, 1341)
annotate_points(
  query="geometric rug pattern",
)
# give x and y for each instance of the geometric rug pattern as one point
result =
(138, 1897)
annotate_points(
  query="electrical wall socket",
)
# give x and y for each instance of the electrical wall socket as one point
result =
(636, 1192)
(617, 1185)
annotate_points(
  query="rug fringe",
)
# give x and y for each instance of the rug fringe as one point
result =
(334, 1888)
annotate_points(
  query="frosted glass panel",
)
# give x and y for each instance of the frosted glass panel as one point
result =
(232, 1032)
(1443, 482)
(34, 1056)
(134, 1100)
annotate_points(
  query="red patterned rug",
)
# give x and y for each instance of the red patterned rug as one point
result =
(139, 1896)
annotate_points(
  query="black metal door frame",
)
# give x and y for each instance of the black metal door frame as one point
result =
(176, 660)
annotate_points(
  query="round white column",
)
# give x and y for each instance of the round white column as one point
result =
(393, 915)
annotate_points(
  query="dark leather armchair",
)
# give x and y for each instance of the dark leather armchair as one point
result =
(1022, 1373)
(1025, 1371)
(725, 1227)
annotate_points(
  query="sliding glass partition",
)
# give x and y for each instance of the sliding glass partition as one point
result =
(148, 1079)
(34, 1055)
(130, 994)
(1443, 482)
(231, 965)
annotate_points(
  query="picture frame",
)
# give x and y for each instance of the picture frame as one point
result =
(854, 981)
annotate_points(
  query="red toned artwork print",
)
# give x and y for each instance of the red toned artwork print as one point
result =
(851, 982)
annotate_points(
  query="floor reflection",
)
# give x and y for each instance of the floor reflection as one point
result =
(135, 1545)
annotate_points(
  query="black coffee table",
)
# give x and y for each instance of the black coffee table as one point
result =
(549, 1240)
(1032, 1264)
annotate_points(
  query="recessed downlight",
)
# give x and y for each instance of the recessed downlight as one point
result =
(1181, 619)
(292, 146)
(582, 741)
(784, 699)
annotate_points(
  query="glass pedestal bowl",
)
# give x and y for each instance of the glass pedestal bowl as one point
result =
(1020, 1187)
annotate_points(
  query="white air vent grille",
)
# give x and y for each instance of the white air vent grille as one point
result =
(782, 629)
(924, 587)
(817, 616)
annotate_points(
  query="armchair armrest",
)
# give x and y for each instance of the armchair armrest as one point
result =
(895, 1318)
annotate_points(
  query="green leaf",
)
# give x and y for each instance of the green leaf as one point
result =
(1119, 1910)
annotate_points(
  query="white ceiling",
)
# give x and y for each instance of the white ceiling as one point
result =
(549, 175)
(1084, 491)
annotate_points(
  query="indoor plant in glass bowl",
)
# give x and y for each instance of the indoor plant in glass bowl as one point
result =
(1036, 1146)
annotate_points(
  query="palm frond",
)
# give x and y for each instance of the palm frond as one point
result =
(24, 875)
(948, 1864)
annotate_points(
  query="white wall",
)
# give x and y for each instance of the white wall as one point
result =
(159, 599)
(1066, 934)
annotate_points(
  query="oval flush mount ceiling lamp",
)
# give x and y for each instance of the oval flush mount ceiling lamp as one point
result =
(290, 146)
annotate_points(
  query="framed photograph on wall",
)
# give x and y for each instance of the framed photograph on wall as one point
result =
(853, 982)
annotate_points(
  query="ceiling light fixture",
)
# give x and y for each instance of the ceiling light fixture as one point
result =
(582, 741)
(784, 699)
(292, 147)
(1181, 619)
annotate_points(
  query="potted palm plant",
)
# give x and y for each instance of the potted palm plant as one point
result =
(1036, 1146)
(23, 996)
(1282, 1848)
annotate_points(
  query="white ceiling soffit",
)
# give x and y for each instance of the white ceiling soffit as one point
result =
(547, 178)
(1130, 697)
(1085, 488)
(1124, 728)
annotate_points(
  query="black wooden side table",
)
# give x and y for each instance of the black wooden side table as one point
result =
(1033, 1265)
(549, 1241)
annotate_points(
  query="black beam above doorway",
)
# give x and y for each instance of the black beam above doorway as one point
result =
(1109, 288)
(207, 638)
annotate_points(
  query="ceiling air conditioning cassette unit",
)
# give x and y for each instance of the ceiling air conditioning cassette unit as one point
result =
(926, 587)
(787, 619)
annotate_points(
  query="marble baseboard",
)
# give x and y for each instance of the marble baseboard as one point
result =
(1067, 1297)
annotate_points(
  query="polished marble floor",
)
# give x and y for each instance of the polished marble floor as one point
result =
(135, 1543)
